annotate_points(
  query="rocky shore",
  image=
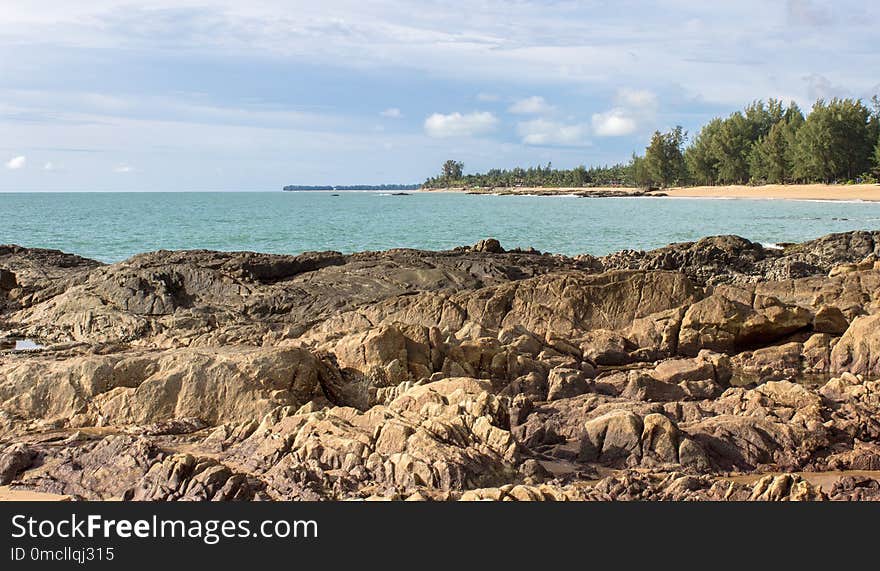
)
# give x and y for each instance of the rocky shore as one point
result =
(845, 192)
(714, 370)
(582, 192)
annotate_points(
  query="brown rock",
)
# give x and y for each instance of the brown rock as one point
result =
(615, 436)
(566, 383)
(816, 356)
(215, 385)
(831, 320)
(723, 325)
(858, 351)
(773, 363)
(605, 347)
(15, 459)
(785, 487)
(660, 438)
(490, 245)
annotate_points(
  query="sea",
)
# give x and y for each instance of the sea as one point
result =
(113, 226)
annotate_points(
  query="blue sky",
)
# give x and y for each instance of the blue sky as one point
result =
(252, 95)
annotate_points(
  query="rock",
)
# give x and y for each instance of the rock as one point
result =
(489, 245)
(816, 356)
(15, 459)
(573, 304)
(631, 485)
(655, 336)
(831, 320)
(185, 477)
(660, 438)
(855, 488)
(101, 469)
(678, 370)
(702, 377)
(723, 325)
(519, 409)
(215, 385)
(605, 347)
(566, 383)
(612, 437)
(533, 472)
(707, 261)
(692, 455)
(858, 351)
(773, 363)
(785, 487)
(778, 423)
(7, 280)
(643, 387)
(449, 434)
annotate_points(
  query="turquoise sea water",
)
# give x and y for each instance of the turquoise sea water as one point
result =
(114, 226)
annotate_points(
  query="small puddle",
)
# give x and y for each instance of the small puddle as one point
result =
(26, 345)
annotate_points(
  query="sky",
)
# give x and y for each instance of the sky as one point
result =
(163, 95)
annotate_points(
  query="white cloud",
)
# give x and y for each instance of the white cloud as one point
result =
(48, 166)
(637, 99)
(458, 125)
(633, 108)
(614, 123)
(16, 163)
(392, 113)
(487, 97)
(534, 105)
(543, 132)
(522, 42)
(123, 168)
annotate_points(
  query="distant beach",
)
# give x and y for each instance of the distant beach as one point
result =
(844, 192)
(866, 192)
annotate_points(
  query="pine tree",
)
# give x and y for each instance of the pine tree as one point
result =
(664, 160)
(835, 141)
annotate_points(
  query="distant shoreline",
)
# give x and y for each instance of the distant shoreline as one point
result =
(836, 192)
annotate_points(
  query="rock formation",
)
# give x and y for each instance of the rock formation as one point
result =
(713, 370)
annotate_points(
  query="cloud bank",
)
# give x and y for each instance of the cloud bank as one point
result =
(456, 124)
(16, 163)
(535, 105)
(542, 132)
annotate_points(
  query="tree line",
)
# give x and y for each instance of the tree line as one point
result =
(351, 187)
(765, 143)
(580, 176)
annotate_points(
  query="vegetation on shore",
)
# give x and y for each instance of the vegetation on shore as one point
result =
(352, 187)
(765, 143)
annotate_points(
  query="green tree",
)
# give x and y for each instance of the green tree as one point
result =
(664, 160)
(875, 127)
(835, 142)
(730, 149)
(699, 158)
(452, 170)
(638, 172)
(772, 156)
(760, 118)
(877, 158)
(578, 176)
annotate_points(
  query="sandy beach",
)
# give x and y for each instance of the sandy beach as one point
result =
(783, 191)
